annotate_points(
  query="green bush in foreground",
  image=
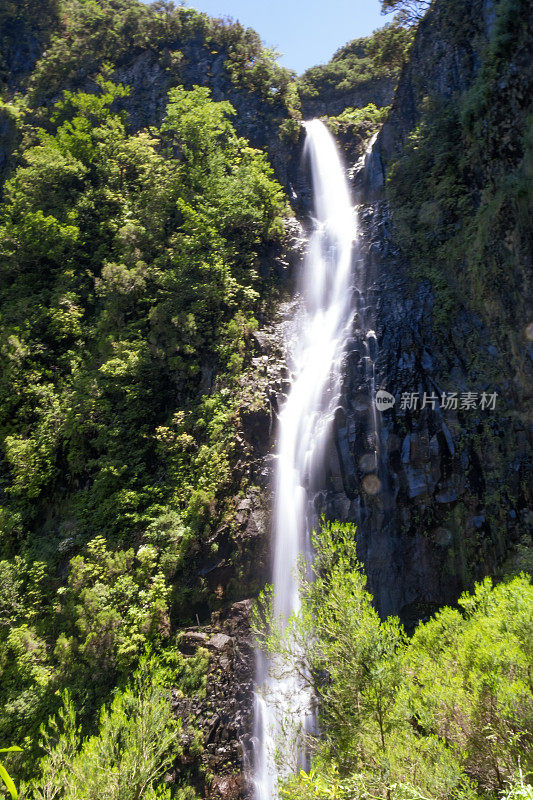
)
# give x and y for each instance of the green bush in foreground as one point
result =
(446, 713)
(137, 741)
(4, 774)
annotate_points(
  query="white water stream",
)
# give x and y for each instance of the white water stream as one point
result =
(304, 424)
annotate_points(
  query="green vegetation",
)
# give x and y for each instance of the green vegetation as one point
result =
(23, 24)
(137, 741)
(460, 191)
(129, 290)
(129, 274)
(4, 774)
(361, 61)
(84, 36)
(446, 713)
(358, 123)
(133, 273)
(408, 12)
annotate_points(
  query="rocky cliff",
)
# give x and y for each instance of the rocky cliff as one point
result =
(455, 491)
(149, 50)
(380, 92)
(441, 497)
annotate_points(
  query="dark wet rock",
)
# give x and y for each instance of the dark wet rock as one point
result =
(190, 640)
(455, 495)
(331, 103)
(224, 715)
(262, 342)
(441, 518)
(24, 37)
(256, 426)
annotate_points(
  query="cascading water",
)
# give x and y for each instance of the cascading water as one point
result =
(304, 423)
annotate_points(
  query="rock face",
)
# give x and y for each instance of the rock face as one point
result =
(224, 716)
(438, 520)
(150, 72)
(439, 63)
(23, 38)
(241, 564)
(150, 76)
(380, 92)
(8, 138)
(453, 494)
(445, 58)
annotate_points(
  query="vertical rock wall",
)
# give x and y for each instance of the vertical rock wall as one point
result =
(455, 495)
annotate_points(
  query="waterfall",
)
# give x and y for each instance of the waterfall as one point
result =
(304, 424)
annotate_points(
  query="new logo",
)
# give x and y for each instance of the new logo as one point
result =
(384, 400)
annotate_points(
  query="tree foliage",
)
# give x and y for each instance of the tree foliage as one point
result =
(408, 12)
(446, 713)
(129, 273)
(360, 62)
(136, 743)
(103, 34)
(5, 776)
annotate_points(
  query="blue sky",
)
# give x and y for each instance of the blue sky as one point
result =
(307, 32)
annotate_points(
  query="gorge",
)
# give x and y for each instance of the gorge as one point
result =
(200, 296)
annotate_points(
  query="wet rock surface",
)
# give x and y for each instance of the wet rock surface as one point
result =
(223, 718)
(379, 92)
(449, 496)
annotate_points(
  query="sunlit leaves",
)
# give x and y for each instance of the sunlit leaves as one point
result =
(129, 277)
(445, 713)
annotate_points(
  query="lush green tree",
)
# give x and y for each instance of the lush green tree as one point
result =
(444, 714)
(468, 680)
(137, 741)
(360, 62)
(408, 12)
(129, 274)
(94, 35)
(4, 774)
(351, 659)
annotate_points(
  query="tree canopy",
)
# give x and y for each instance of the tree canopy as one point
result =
(445, 713)
(129, 273)
(408, 12)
